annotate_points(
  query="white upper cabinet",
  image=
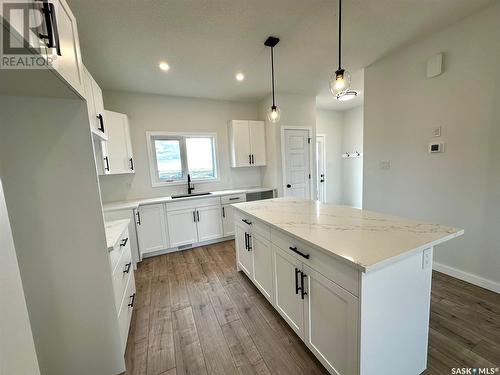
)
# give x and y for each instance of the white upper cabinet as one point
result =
(95, 106)
(67, 52)
(119, 144)
(247, 141)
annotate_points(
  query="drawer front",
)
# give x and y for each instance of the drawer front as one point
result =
(125, 313)
(340, 273)
(254, 226)
(121, 273)
(114, 256)
(192, 203)
(235, 198)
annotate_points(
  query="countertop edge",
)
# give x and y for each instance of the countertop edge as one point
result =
(121, 224)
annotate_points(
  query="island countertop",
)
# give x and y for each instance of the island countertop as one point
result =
(365, 239)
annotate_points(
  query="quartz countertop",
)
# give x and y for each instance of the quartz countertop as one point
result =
(364, 239)
(133, 204)
(114, 229)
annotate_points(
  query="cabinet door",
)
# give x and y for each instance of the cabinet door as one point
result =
(258, 142)
(87, 84)
(69, 63)
(228, 220)
(209, 223)
(262, 265)
(240, 143)
(243, 253)
(119, 144)
(101, 125)
(182, 227)
(331, 315)
(152, 230)
(288, 299)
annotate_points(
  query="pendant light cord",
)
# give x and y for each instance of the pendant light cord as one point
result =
(340, 32)
(272, 71)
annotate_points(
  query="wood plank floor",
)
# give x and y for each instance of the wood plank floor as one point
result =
(196, 315)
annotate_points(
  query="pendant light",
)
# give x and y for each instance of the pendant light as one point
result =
(340, 82)
(273, 114)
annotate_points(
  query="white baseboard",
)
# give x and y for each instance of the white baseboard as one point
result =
(469, 277)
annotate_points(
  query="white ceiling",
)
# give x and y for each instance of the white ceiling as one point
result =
(207, 41)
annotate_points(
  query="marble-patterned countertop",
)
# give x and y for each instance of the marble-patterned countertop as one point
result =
(364, 239)
(133, 204)
(114, 230)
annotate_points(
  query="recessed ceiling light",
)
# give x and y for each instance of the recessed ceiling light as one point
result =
(164, 66)
(240, 77)
(346, 95)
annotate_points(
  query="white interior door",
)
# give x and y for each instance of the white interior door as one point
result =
(297, 170)
(320, 169)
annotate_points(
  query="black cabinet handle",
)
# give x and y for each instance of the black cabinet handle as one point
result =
(131, 164)
(249, 242)
(198, 215)
(249, 159)
(106, 159)
(253, 162)
(234, 199)
(138, 218)
(246, 221)
(52, 35)
(223, 212)
(101, 122)
(288, 186)
(246, 241)
(124, 242)
(131, 304)
(194, 216)
(127, 267)
(302, 288)
(297, 288)
(294, 249)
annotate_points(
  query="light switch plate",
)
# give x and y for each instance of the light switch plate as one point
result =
(437, 132)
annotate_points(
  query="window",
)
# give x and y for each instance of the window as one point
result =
(174, 156)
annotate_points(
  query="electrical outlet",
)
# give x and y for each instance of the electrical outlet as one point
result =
(426, 258)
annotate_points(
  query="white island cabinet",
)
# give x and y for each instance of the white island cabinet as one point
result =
(354, 285)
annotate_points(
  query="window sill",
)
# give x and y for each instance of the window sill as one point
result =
(184, 182)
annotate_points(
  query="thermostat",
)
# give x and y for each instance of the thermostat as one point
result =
(436, 147)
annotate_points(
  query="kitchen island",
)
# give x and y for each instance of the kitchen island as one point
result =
(354, 285)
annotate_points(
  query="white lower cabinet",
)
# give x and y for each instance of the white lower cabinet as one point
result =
(243, 251)
(288, 300)
(182, 227)
(227, 220)
(331, 316)
(262, 265)
(209, 223)
(152, 228)
(324, 314)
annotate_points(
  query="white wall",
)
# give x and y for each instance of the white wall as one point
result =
(17, 350)
(352, 168)
(296, 111)
(344, 133)
(331, 125)
(460, 187)
(169, 113)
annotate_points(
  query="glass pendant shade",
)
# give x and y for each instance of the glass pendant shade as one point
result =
(273, 115)
(340, 82)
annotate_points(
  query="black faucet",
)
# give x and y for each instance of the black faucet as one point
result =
(190, 185)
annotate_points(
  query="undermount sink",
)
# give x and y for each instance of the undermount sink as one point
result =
(189, 195)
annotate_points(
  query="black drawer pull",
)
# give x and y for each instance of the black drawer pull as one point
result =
(131, 164)
(246, 241)
(131, 304)
(249, 242)
(127, 267)
(234, 199)
(302, 288)
(124, 242)
(246, 221)
(294, 249)
(138, 218)
(223, 212)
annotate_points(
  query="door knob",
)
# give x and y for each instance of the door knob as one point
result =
(288, 185)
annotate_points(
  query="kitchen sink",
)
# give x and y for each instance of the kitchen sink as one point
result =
(189, 195)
